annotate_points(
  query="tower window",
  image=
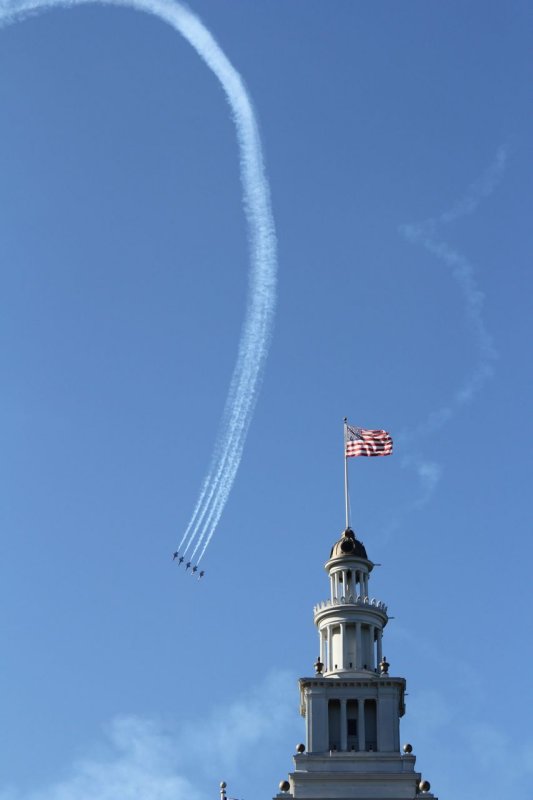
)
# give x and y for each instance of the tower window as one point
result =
(352, 741)
(371, 725)
(334, 714)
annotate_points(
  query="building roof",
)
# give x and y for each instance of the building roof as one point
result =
(348, 547)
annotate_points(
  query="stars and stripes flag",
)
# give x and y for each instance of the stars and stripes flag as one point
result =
(362, 442)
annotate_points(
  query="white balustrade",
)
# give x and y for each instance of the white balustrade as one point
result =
(351, 600)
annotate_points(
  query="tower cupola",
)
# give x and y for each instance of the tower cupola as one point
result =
(350, 623)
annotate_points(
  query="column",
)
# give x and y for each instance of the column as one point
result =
(322, 634)
(343, 640)
(309, 720)
(361, 736)
(330, 649)
(358, 646)
(372, 664)
(365, 582)
(358, 580)
(344, 726)
(379, 647)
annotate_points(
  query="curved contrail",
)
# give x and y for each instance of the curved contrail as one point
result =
(426, 235)
(259, 317)
(463, 271)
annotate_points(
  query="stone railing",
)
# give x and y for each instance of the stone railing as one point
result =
(351, 601)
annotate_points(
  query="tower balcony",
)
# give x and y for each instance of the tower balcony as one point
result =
(352, 602)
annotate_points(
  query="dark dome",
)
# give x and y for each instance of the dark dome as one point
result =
(348, 547)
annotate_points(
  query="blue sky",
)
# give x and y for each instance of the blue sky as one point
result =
(397, 142)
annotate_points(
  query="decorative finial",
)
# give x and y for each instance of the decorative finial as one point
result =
(300, 748)
(424, 786)
(408, 748)
(384, 666)
(319, 666)
(223, 786)
(284, 786)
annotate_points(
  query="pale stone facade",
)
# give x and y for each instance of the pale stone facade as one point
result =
(352, 706)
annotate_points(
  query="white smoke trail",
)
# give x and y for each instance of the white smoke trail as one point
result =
(240, 406)
(463, 271)
(194, 514)
(257, 327)
(425, 234)
(238, 412)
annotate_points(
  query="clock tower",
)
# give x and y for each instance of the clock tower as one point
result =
(352, 705)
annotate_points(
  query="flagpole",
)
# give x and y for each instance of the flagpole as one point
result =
(346, 504)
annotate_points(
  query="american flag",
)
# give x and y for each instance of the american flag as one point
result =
(361, 442)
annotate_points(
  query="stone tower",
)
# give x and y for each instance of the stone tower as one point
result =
(352, 706)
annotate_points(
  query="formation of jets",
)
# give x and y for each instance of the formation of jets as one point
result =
(188, 565)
